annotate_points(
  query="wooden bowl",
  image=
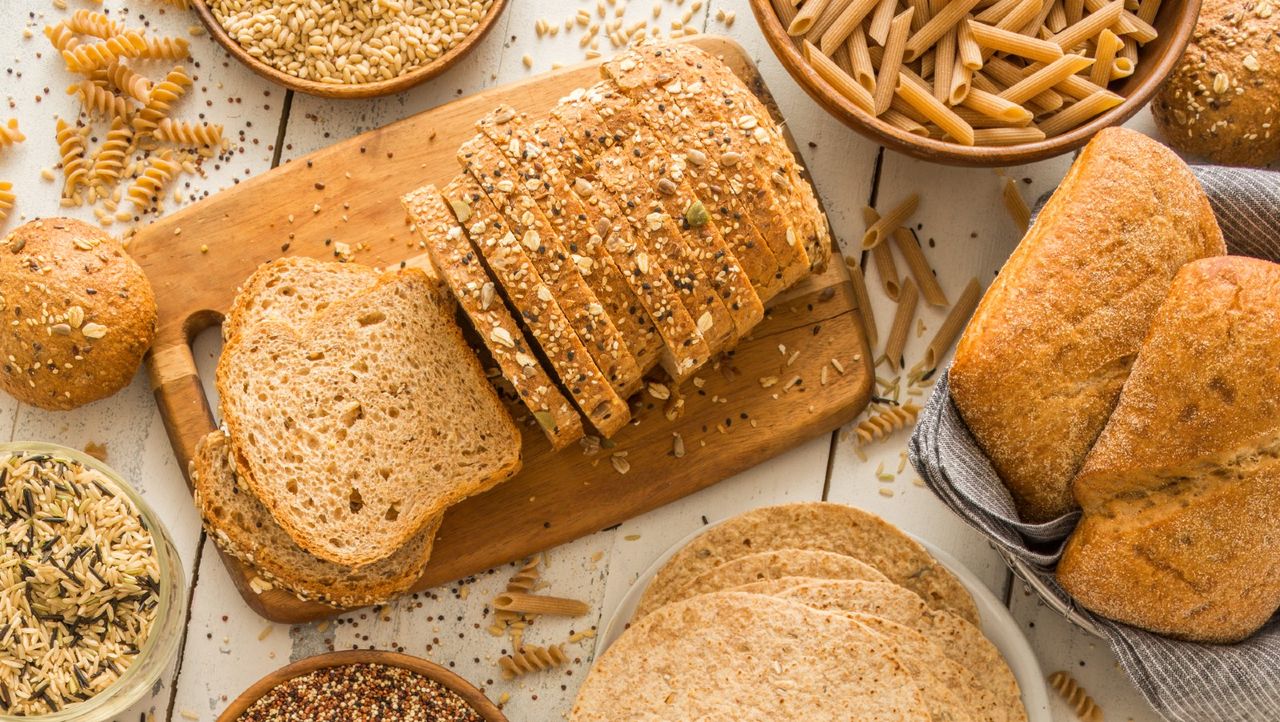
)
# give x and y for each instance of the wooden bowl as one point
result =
(1175, 21)
(472, 696)
(360, 90)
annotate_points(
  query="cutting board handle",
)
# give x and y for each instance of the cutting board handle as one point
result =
(175, 382)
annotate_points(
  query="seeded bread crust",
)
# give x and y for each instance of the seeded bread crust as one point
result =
(457, 264)
(637, 197)
(736, 151)
(698, 229)
(684, 349)
(585, 248)
(544, 249)
(714, 186)
(241, 526)
(535, 303)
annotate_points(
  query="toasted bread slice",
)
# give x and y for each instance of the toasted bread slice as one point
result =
(294, 288)
(534, 304)
(347, 424)
(241, 526)
(457, 264)
(667, 172)
(550, 189)
(543, 247)
(684, 349)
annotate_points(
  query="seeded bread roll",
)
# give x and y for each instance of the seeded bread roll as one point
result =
(1221, 101)
(78, 314)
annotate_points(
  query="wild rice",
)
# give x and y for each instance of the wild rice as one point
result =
(348, 41)
(79, 583)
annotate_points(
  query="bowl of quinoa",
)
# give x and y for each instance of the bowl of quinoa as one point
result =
(348, 48)
(91, 588)
(362, 686)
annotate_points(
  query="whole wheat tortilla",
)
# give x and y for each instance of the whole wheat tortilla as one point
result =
(772, 565)
(815, 525)
(958, 640)
(733, 657)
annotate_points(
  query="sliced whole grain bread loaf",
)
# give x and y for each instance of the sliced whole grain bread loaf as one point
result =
(294, 288)
(346, 426)
(241, 526)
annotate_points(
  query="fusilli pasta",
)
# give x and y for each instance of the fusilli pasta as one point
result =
(156, 173)
(71, 149)
(184, 133)
(9, 133)
(167, 48)
(163, 96)
(885, 419)
(532, 658)
(87, 22)
(61, 37)
(128, 82)
(108, 164)
(1071, 691)
(84, 58)
(7, 200)
(97, 100)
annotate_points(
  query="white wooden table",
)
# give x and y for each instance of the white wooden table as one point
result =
(228, 647)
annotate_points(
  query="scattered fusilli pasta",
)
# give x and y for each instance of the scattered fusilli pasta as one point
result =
(1071, 691)
(885, 419)
(108, 164)
(87, 22)
(522, 581)
(168, 48)
(62, 38)
(97, 100)
(128, 82)
(7, 200)
(163, 96)
(85, 58)
(9, 133)
(184, 133)
(156, 173)
(71, 149)
(532, 658)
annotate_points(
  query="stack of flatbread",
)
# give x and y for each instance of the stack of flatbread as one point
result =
(805, 611)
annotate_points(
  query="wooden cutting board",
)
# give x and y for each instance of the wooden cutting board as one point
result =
(733, 417)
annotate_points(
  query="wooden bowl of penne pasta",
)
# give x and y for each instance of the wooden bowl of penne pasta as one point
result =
(979, 82)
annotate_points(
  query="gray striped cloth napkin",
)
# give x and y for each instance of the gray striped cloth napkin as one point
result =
(1183, 681)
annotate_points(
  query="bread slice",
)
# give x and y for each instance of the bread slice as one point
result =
(637, 196)
(549, 188)
(1180, 491)
(457, 264)
(716, 185)
(550, 260)
(667, 172)
(705, 86)
(293, 288)
(684, 348)
(534, 303)
(241, 526)
(346, 426)
(1040, 365)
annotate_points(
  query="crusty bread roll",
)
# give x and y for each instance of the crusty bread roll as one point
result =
(1181, 493)
(1041, 363)
(1221, 100)
(78, 314)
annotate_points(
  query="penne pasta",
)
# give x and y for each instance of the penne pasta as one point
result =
(919, 266)
(961, 85)
(863, 299)
(933, 109)
(1128, 23)
(855, 11)
(924, 10)
(896, 342)
(945, 337)
(1047, 77)
(882, 257)
(997, 11)
(902, 121)
(1147, 10)
(1037, 23)
(864, 73)
(891, 61)
(1013, 43)
(948, 17)
(1008, 136)
(1025, 12)
(786, 12)
(926, 62)
(1073, 11)
(1130, 50)
(1090, 26)
(837, 78)
(978, 120)
(1056, 21)
(1103, 54)
(1018, 210)
(878, 229)
(524, 603)
(944, 64)
(970, 52)
(1121, 68)
(993, 106)
(1075, 86)
(805, 19)
(881, 19)
(1080, 112)
(825, 20)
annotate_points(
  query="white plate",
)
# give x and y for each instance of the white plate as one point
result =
(997, 624)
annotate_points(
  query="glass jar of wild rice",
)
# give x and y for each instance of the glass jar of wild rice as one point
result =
(91, 588)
